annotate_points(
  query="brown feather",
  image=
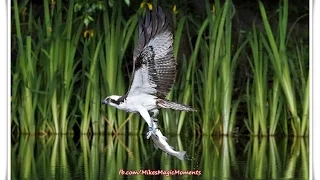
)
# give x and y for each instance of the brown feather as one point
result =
(154, 54)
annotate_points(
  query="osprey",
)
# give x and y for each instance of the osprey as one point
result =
(154, 71)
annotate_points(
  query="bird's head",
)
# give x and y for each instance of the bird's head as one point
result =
(112, 100)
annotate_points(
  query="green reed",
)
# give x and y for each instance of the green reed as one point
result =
(26, 150)
(170, 119)
(85, 147)
(274, 158)
(182, 90)
(282, 67)
(218, 158)
(258, 91)
(117, 38)
(47, 69)
(96, 157)
(27, 78)
(104, 52)
(276, 46)
(212, 83)
(300, 56)
(262, 152)
(217, 74)
(135, 149)
(71, 42)
(44, 70)
(61, 64)
(298, 153)
(276, 106)
(91, 106)
(59, 76)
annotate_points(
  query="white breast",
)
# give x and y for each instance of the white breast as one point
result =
(132, 103)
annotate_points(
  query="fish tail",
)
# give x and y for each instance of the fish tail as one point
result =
(181, 155)
(172, 105)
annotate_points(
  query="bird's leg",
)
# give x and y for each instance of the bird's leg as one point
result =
(156, 132)
(153, 127)
(144, 113)
(154, 119)
(154, 122)
(151, 132)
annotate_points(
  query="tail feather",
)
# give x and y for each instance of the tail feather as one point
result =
(172, 105)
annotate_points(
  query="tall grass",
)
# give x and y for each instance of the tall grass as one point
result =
(62, 69)
(116, 41)
(277, 49)
(45, 70)
(26, 77)
(258, 91)
(217, 49)
(168, 115)
(92, 97)
(104, 53)
(276, 105)
(273, 65)
(182, 92)
(60, 63)
(217, 75)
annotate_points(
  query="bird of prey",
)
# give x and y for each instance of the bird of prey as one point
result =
(154, 71)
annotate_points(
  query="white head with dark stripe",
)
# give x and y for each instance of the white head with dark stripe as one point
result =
(113, 100)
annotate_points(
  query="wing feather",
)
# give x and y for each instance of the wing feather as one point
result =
(154, 63)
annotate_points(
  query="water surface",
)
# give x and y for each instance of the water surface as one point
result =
(134, 157)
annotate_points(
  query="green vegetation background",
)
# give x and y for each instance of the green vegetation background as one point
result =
(244, 67)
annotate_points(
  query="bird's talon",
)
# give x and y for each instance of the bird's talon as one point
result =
(150, 132)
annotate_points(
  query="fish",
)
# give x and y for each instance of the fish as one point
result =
(160, 141)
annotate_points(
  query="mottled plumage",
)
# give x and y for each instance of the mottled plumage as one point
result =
(154, 64)
(154, 70)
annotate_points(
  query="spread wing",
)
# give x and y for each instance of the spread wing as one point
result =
(154, 70)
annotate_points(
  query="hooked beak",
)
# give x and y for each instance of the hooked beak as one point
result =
(104, 101)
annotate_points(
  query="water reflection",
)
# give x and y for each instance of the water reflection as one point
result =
(106, 157)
